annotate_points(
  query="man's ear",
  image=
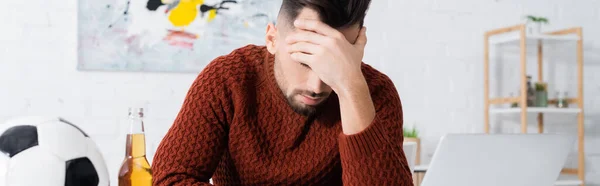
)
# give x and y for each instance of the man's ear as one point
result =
(271, 38)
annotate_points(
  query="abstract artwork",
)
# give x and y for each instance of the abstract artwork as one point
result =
(167, 35)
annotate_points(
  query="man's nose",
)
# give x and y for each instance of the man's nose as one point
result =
(315, 84)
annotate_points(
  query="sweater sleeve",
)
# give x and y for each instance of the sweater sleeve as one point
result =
(191, 149)
(375, 156)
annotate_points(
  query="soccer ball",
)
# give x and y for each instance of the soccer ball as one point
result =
(49, 151)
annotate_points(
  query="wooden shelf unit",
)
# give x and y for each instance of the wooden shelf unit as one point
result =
(517, 34)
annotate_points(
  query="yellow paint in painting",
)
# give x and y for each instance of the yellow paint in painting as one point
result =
(212, 14)
(185, 12)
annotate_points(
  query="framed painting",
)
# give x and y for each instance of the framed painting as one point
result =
(167, 35)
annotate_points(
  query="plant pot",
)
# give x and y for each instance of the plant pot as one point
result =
(534, 28)
(418, 141)
(541, 99)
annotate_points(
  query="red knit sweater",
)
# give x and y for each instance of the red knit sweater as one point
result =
(235, 127)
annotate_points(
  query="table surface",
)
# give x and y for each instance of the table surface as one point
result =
(421, 168)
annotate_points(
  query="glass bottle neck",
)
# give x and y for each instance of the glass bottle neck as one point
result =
(136, 140)
(136, 121)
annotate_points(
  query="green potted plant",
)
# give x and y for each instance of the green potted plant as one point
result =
(514, 104)
(534, 23)
(412, 135)
(541, 94)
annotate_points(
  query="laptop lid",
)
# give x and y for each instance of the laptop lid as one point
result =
(498, 159)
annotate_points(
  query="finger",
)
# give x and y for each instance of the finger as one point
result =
(317, 26)
(306, 36)
(302, 58)
(304, 47)
(361, 41)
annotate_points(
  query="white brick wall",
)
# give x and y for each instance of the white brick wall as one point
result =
(432, 49)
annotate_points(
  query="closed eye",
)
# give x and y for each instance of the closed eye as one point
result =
(305, 65)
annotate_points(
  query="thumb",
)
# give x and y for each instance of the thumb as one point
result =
(361, 41)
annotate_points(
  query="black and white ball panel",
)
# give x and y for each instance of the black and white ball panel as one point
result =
(17, 139)
(81, 171)
(36, 164)
(62, 139)
(96, 158)
(74, 126)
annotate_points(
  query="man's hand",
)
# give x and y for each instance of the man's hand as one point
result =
(337, 62)
(328, 53)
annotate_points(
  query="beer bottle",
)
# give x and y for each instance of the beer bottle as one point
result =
(135, 169)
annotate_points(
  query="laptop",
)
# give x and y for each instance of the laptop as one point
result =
(498, 160)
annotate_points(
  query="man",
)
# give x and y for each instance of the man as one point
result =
(302, 110)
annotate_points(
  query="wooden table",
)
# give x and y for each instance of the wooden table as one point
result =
(419, 174)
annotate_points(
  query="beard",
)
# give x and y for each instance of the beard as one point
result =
(303, 109)
(297, 106)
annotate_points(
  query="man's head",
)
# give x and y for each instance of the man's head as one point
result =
(303, 89)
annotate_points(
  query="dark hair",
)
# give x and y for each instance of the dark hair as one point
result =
(335, 13)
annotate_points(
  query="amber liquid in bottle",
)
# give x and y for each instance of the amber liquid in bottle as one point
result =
(135, 169)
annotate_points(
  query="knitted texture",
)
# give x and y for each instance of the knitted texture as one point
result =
(236, 127)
